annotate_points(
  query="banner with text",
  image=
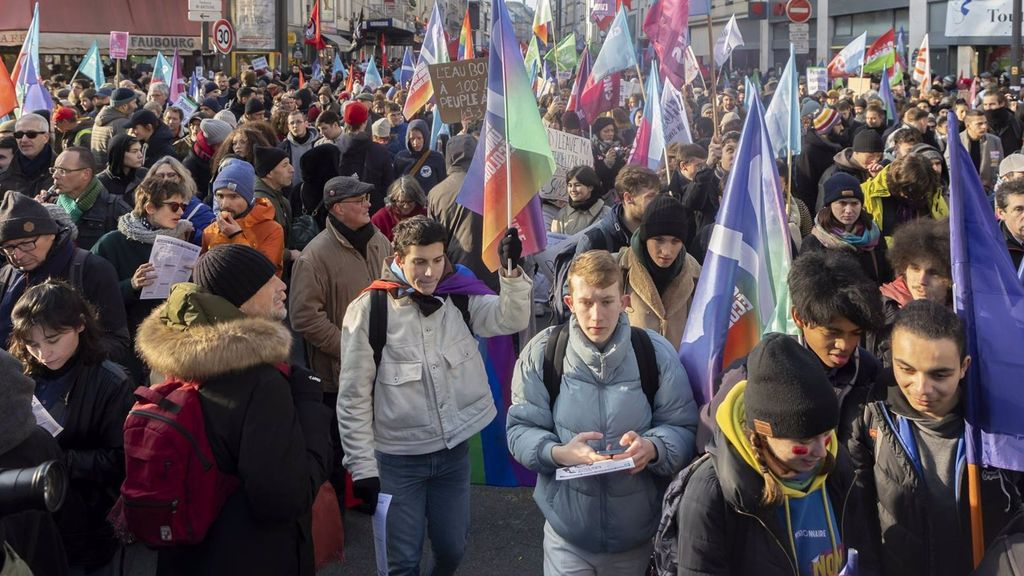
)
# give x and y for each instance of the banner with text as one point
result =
(817, 80)
(979, 18)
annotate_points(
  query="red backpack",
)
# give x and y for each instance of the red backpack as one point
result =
(173, 490)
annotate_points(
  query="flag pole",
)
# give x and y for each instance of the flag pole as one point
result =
(508, 154)
(711, 67)
(977, 524)
(640, 78)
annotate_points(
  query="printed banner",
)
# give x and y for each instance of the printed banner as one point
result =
(817, 80)
(979, 18)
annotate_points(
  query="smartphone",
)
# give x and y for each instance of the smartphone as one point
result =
(611, 452)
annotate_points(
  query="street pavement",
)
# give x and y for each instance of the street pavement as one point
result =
(505, 537)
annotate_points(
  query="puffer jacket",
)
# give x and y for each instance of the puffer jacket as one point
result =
(109, 123)
(395, 409)
(259, 230)
(432, 171)
(725, 529)
(270, 431)
(904, 524)
(320, 296)
(601, 392)
(665, 314)
(877, 196)
(570, 220)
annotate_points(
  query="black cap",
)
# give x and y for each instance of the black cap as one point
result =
(253, 105)
(788, 394)
(266, 158)
(341, 187)
(842, 186)
(868, 141)
(23, 217)
(143, 116)
(664, 216)
(234, 272)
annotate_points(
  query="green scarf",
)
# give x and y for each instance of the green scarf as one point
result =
(76, 208)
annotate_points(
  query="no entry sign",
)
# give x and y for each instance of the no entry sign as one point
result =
(798, 11)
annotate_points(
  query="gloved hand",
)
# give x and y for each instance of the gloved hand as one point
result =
(366, 490)
(510, 251)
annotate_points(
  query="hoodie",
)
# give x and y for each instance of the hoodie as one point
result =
(109, 123)
(428, 172)
(296, 149)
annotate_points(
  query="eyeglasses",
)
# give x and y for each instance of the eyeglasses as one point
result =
(58, 171)
(356, 199)
(32, 134)
(174, 206)
(26, 246)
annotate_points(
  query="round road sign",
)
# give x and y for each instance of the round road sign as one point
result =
(798, 11)
(224, 36)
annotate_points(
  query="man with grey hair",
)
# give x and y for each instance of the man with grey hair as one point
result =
(29, 172)
(159, 93)
(112, 120)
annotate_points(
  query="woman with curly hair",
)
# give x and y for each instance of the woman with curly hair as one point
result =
(57, 338)
(240, 144)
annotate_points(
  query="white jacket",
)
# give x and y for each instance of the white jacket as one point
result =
(431, 391)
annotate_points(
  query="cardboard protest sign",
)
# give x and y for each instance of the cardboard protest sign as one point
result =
(569, 151)
(460, 89)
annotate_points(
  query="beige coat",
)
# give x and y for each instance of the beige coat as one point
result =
(431, 391)
(570, 220)
(326, 278)
(647, 308)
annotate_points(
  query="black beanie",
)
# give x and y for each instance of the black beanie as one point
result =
(788, 394)
(664, 216)
(842, 186)
(253, 105)
(23, 217)
(868, 141)
(233, 271)
(266, 158)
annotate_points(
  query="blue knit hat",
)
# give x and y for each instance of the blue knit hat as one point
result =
(238, 176)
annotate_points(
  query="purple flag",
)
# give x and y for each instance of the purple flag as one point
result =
(989, 298)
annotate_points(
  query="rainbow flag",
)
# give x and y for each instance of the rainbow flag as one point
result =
(542, 21)
(510, 166)
(742, 291)
(433, 51)
(466, 39)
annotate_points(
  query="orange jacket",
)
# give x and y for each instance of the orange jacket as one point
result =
(259, 230)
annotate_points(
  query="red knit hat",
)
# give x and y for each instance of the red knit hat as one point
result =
(355, 114)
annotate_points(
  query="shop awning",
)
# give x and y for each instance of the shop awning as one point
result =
(342, 44)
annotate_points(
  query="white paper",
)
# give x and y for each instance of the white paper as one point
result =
(172, 260)
(602, 467)
(44, 419)
(380, 523)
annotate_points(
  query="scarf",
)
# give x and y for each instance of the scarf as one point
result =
(77, 208)
(141, 229)
(862, 238)
(33, 166)
(202, 148)
(661, 277)
(897, 290)
(584, 205)
(357, 238)
(456, 280)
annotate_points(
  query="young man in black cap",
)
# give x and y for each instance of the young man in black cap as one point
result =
(274, 173)
(331, 272)
(266, 427)
(36, 248)
(910, 456)
(862, 161)
(159, 141)
(254, 111)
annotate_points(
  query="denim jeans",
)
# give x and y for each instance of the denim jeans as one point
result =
(429, 494)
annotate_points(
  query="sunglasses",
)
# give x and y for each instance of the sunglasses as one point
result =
(32, 134)
(175, 206)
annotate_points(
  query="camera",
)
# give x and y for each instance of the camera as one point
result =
(42, 487)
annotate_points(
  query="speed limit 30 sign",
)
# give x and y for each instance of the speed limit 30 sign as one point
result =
(223, 36)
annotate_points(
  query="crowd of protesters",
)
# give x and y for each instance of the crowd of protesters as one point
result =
(318, 208)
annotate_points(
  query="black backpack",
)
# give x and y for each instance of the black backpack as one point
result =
(378, 330)
(643, 348)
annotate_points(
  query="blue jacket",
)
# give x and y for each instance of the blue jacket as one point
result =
(601, 392)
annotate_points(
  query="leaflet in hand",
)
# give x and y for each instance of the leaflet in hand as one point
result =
(602, 467)
(172, 260)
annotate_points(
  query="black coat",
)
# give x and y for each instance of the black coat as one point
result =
(201, 173)
(272, 433)
(902, 522)
(159, 145)
(33, 535)
(98, 402)
(371, 161)
(730, 533)
(815, 157)
(874, 262)
(28, 183)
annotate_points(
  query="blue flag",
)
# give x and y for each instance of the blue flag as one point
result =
(404, 75)
(885, 93)
(437, 128)
(161, 68)
(742, 292)
(989, 298)
(194, 87)
(92, 67)
(617, 52)
(37, 97)
(372, 79)
(1020, 272)
(783, 116)
(337, 66)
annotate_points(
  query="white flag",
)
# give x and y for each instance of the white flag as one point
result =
(923, 64)
(673, 116)
(690, 65)
(728, 40)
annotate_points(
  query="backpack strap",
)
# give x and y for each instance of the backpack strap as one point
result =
(554, 359)
(77, 269)
(378, 323)
(647, 361)
(461, 302)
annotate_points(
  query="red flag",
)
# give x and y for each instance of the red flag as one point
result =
(662, 25)
(351, 78)
(383, 52)
(302, 79)
(600, 97)
(313, 36)
(8, 98)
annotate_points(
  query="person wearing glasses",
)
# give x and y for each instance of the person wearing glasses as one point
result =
(405, 199)
(35, 248)
(29, 169)
(81, 194)
(241, 217)
(159, 211)
(197, 212)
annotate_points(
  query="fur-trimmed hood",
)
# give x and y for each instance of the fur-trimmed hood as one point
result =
(177, 339)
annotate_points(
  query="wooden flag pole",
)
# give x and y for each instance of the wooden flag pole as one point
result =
(640, 78)
(977, 524)
(714, 76)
